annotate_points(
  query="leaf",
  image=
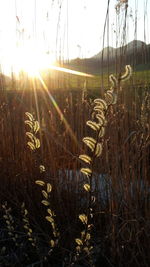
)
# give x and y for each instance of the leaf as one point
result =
(45, 202)
(36, 126)
(109, 97)
(45, 194)
(37, 142)
(83, 218)
(87, 187)
(49, 188)
(42, 168)
(88, 236)
(114, 99)
(90, 142)
(101, 119)
(86, 249)
(29, 234)
(93, 125)
(49, 219)
(127, 74)
(90, 226)
(102, 103)
(113, 80)
(83, 234)
(30, 123)
(79, 241)
(30, 135)
(52, 243)
(99, 109)
(98, 150)
(78, 248)
(30, 116)
(85, 158)
(93, 199)
(31, 145)
(25, 212)
(50, 212)
(86, 171)
(101, 132)
(39, 182)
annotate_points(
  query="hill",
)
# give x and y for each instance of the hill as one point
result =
(135, 53)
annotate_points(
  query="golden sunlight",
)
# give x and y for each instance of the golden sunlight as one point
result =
(30, 58)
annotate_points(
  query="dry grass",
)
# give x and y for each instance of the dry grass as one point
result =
(121, 211)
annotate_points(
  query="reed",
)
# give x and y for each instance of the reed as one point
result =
(104, 219)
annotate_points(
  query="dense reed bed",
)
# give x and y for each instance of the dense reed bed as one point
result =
(121, 185)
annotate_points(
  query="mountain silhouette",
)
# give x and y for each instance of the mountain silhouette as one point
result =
(136, 53)
(111, 52)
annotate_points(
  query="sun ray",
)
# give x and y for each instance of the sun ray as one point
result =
(58, 111)
(53, 67)
(30, 58)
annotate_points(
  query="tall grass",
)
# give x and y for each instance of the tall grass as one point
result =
(55, 211)
(120, 231)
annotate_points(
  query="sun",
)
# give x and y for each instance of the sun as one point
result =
(28, 57)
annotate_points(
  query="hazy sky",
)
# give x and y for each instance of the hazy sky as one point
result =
(73, 28)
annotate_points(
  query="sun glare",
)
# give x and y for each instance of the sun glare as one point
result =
(28, 58)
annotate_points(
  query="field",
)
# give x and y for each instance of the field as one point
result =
(53, 213)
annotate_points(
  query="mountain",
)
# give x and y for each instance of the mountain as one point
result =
(136, 53)
(105, 52)
(134, 45)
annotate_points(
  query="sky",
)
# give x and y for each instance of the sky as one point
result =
(67, 28)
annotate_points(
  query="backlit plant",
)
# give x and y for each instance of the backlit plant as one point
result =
(95, 147)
